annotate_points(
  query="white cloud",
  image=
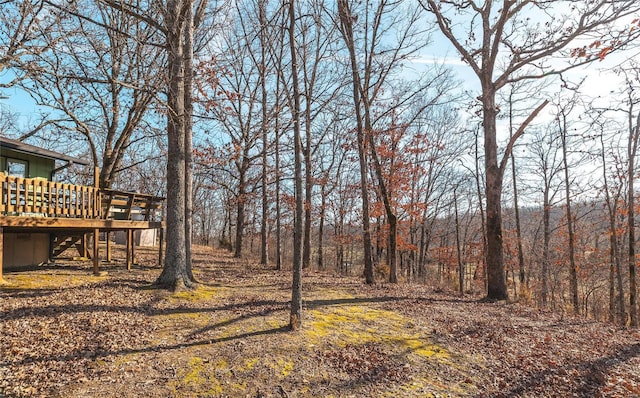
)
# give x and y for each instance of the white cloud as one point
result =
(434, 60)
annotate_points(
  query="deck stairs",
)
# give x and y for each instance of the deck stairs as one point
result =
(60, 243)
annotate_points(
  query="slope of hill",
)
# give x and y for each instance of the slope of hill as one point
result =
(64, 333)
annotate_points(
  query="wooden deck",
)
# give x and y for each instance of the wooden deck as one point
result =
(37, 205)
(35, 223)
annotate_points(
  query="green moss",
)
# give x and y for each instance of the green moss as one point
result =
(250, 363)
(197, 378)
(49, 281)
(417, 346)
(285, 366)
(357, 325)
(194, 371)
(201, 293)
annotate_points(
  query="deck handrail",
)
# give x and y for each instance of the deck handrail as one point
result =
(39, 197)
(133, 206)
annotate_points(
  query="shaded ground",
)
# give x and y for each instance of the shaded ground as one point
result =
(65, 333)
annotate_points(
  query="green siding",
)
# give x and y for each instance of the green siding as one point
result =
(38, 166)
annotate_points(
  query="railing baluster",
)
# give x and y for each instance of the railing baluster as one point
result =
(3, 200)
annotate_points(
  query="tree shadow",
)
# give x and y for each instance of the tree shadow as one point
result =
(25, 293)
(149, 349)
(591, 380)
(314, 304)
(142, 309)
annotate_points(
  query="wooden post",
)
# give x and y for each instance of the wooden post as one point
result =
(96, 251)
(51, 246)
(129, 249)
(96, 177)
(161, 233)
(108, 242)
(85, 250)
(133, 247)
(97, 205)
(1, 252)
(96, 232)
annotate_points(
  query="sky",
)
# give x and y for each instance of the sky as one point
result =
(18, 101)
(599, 80)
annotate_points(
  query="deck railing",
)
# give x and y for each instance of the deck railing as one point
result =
(134, 206)
(39, 197)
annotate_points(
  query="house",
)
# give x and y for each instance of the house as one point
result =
(41, 218)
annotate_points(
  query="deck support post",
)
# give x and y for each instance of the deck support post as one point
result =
(96, 251)
(133, 247)
(129, 249)
(52, 243)
(161, 238)
(1, 252)
(108, 243)
(85, 246)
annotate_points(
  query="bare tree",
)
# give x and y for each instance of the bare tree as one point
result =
(547, 166)
(175, 273)
(317, 47)
(346, 28)
(633, 139)
(518, 95)
(24, 29)
(502, 45)
(613, 193)
(103, 78)
(563, 113)
(295, 319)
(237, 106)
(264, 127)
(378, 37)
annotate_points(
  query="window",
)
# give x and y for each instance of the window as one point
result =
(17, 168)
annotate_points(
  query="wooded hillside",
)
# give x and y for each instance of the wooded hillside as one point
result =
(479, 146)
(66, 334)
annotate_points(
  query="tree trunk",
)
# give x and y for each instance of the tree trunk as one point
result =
(392, 249)
(521, 271)
(346, 23)
(264, 225)
(483, 219)
(546, 216)
(458, 249)
(573, 271)
(188, 136)
(422, 250)
(240, 217)
(308, 188)
(616, 303)
(632, 147)
(174, 274)
(295, 318)
(277, 176)
(496, 283)
(278, 205)
(323, 210)
(392, 219)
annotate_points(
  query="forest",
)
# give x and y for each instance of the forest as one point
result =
(481, 147)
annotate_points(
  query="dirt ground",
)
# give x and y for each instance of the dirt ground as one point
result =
(67, 333)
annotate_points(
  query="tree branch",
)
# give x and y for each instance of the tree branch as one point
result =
(514, 138)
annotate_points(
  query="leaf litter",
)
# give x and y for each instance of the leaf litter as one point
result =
(65, 333)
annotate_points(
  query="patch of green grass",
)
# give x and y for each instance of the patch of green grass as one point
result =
(201, 293)
(34, 281)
